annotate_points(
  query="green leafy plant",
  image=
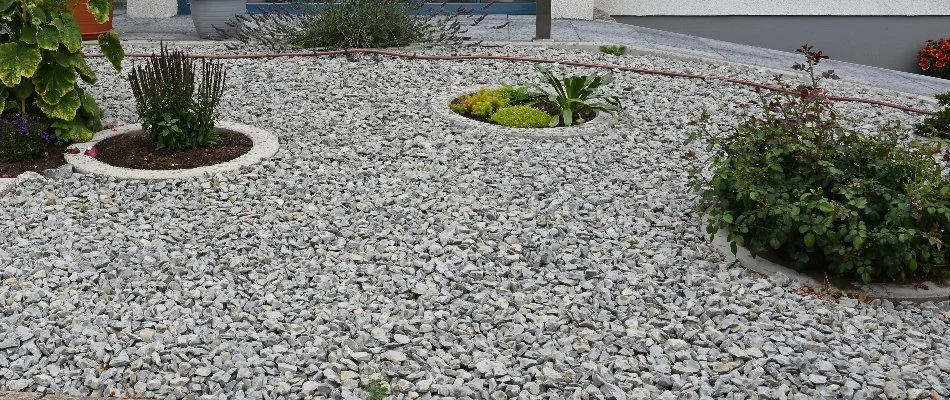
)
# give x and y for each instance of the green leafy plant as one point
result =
(616, 50)
(21, 139)
(577, 94)
(378, 390)
(793, 178)
(934, 58)
(41, 61)
(173, 112)
(481, 104)
(522, 116)
(939, 124)
(517, 95)
(349, 24)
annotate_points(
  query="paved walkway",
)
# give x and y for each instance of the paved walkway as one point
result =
(521, 28)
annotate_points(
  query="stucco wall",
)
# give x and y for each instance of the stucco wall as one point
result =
(774, 7)
(578, 9)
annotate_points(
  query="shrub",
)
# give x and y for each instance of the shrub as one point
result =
(616, 50)
(349, 24)
(521, 117)
(793, 179)
(481, 104)
(934, 58)
(21, 139)
(173, 112)
(41, 61)
(939, 124)
(577, 94)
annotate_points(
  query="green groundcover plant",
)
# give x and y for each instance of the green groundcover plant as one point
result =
(792, 178)
(174, 112)
(938, 125)
(21, 139)
(41, 62)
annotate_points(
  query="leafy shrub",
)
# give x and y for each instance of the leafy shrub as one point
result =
(934, 58)
(41, 61)
(481, 104)
(939, 124)
(521, 117)
(577, 94)
(21, 139)
(616, 50)
(792, 178)
(173, 112)
(346, 24)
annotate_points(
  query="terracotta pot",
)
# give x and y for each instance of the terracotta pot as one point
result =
(87, 23)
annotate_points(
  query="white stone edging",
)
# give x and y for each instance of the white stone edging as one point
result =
(265, 145)
(440, 107)
(892, 292)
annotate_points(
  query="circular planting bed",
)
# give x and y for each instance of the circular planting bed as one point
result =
(127, 153)
(440, 107)
(769, 265)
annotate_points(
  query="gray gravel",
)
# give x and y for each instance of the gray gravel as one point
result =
(381, 242)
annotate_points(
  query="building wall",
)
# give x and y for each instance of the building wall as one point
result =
(774, 7)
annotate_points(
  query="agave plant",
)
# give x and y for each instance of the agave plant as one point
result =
(576, 94)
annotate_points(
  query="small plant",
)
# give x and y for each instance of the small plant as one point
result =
(521, 117)
(41, 62)
(517, 95)
(378, 390)
(174, 113)
(794, 179)
(577, 94)
(481, 104)
(939, 124)
(934, 58)
(21, 139)
(616, 50)
(348, 24)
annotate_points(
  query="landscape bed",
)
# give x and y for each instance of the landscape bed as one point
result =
(381, 242)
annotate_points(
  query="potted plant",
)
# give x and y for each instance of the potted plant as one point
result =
(93, 16)
(211, 17)
(41, 63)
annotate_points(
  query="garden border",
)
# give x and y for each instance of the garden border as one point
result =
(892, 292)
(265, 145)
(440, 106)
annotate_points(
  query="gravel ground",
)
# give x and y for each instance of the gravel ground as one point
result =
(381, 242)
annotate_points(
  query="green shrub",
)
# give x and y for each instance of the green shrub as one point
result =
(481, 104)
(347, 24)
(173, 112)
(517, 95)
(793, 179)
(521, 117)
(939, 124)
(616, 50)
(21, 139)
(41, 63)
(577, 94)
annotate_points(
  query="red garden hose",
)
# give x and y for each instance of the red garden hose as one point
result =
(535, 60)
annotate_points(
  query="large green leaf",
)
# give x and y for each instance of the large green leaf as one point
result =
(7, 6)
(65, 109)
(71, 131)
(100, 10)
(47, 37)
(53, 81)
(18, 60)
(112, 48)
(69, 34)
(78, 62)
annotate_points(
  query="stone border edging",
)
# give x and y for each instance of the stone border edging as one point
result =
(440, 107)
(265, 145)
(892, 292)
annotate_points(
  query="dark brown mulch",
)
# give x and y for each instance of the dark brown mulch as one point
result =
(136, 151)
(52, 159)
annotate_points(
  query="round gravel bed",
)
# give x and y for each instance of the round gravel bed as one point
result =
(382, 241)
(440, 107)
